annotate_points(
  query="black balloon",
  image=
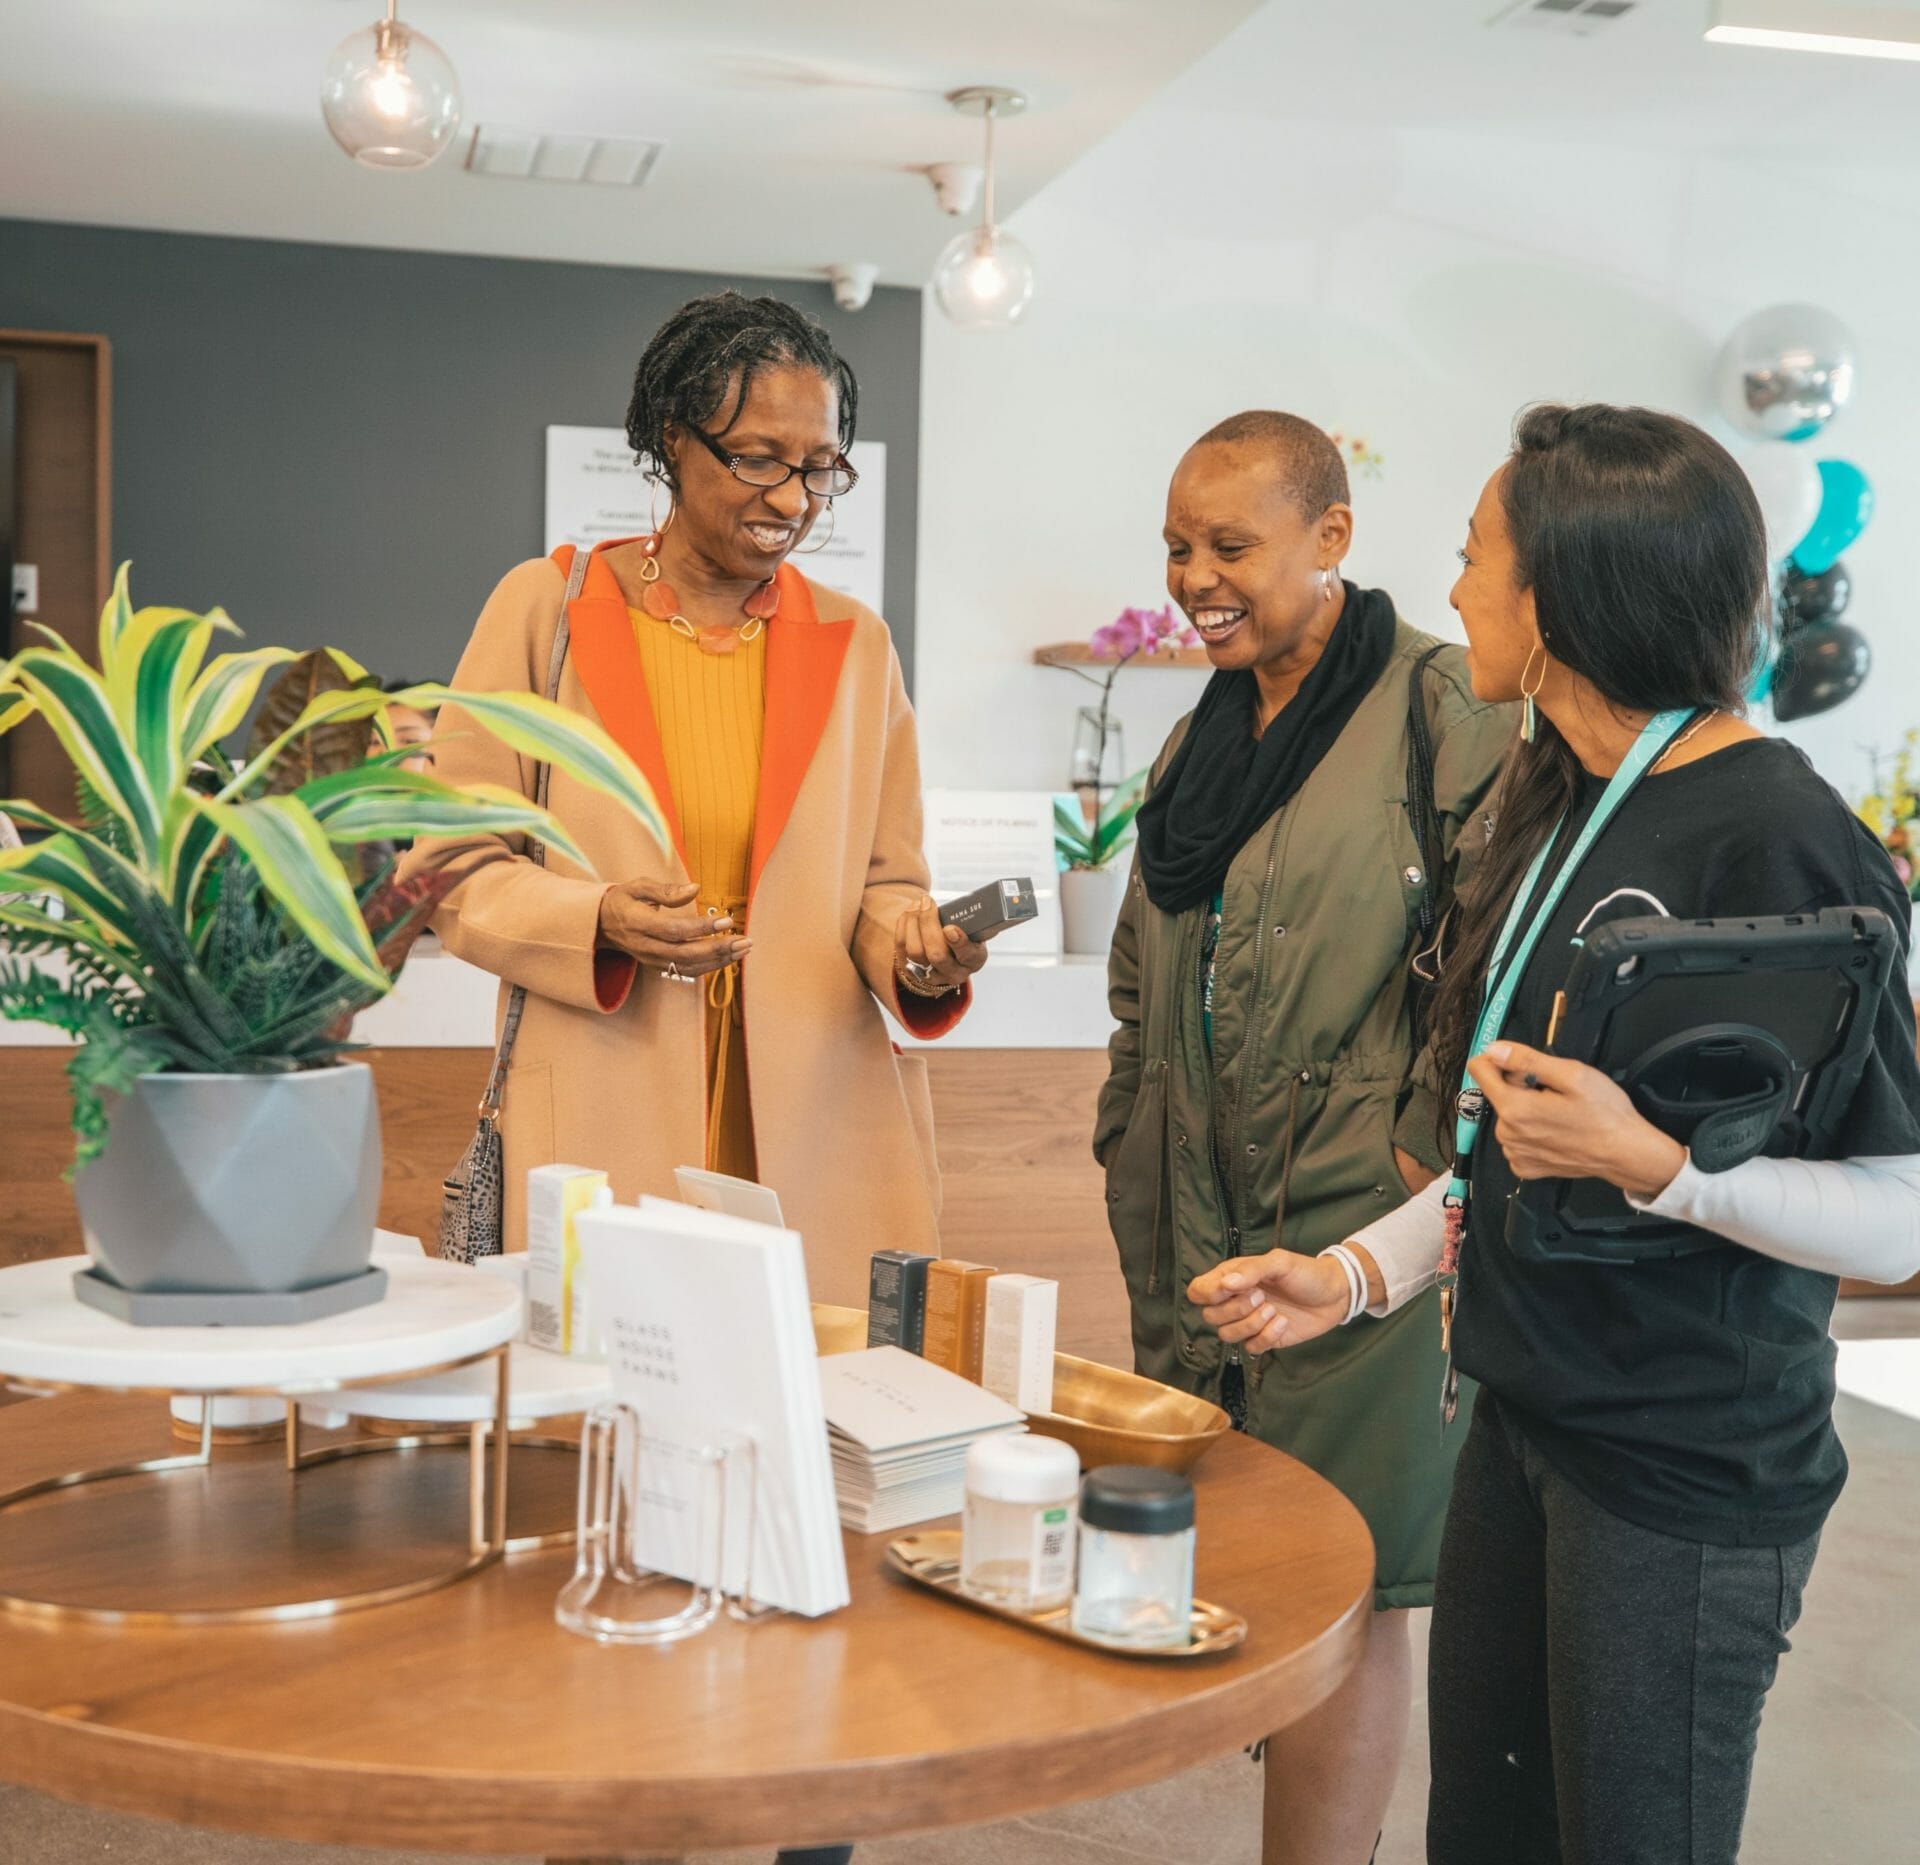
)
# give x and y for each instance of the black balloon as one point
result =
(1821, 663)
(1821, 598)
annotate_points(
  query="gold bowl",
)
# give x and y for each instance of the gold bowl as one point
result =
(1111, 1417)
(838, 1330)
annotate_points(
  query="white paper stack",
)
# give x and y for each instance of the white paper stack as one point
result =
(710, 1337)
(900, 1427)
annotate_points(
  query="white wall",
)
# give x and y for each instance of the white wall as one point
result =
(1413, 284)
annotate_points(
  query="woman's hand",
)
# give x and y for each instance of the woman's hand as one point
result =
(1276, 1300)
(950, 957)
(1560, 1119)
(657, 923)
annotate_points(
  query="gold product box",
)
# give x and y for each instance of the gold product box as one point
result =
(559, 1309)
(956, 1326)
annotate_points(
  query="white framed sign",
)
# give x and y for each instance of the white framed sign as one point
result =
(977, 836)
(596, 492)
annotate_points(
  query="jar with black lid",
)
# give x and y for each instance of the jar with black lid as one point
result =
(1135, 1579)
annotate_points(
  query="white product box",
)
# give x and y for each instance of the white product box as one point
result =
(1017, 1362)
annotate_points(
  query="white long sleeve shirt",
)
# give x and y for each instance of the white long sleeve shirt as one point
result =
(1843, 1217)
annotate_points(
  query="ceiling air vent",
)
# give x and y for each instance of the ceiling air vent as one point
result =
(1579, 17)
(540, 155)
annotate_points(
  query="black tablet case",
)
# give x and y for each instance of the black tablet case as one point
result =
(1689, 1017)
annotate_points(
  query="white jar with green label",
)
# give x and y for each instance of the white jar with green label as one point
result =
(1022, 1512)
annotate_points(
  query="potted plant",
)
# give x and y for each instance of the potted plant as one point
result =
(206, 934)
(1093, 877)
(1891, 809)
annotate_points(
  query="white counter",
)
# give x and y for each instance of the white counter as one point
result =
(442, 1002)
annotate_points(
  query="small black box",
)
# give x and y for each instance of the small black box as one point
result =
(897, 1299)
(992, 908)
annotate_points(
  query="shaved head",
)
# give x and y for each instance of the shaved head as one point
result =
(1302, 459)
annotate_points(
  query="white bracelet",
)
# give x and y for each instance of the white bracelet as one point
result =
(1356, 1282)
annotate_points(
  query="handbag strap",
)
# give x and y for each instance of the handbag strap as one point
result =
(1421, 806)
(536, 851)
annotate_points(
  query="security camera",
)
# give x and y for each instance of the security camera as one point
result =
(852, 285)
(956, 185)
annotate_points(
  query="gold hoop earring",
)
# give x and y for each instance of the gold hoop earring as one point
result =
(808, 550)
(1530, 717)
(659, 530)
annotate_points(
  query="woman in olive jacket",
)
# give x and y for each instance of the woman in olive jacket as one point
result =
(1261, 1080)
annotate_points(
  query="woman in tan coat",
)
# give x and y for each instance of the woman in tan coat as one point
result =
(770, 716)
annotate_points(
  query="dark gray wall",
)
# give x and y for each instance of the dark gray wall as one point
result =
(344, 445)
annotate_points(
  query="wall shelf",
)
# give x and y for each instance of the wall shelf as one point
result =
(1078, 654)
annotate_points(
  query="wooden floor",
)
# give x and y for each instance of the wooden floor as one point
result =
(1022, 1190)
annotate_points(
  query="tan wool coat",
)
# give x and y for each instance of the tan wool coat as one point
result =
(608, 1070)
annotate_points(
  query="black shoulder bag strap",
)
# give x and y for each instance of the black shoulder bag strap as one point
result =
(1424, 814)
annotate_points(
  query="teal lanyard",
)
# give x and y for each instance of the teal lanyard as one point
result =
(1509, 961)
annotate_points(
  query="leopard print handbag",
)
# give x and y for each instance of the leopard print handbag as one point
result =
(473, 1196)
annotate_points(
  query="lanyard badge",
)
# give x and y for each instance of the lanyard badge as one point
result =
(1505, 969)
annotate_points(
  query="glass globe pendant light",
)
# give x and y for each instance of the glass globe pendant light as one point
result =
(984, 278)
(390, 96)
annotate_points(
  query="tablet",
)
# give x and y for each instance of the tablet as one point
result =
(1736, 1036)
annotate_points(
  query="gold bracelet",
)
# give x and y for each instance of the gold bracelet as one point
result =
(919, 987)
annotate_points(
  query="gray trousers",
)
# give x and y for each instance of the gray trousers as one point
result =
(1594, 1688)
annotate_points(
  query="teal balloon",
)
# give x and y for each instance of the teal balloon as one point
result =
(1846, 504)
(1762, 682)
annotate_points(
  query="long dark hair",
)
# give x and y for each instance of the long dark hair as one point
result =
(1644, 548)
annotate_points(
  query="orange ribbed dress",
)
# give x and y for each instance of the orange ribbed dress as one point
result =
(711, 710)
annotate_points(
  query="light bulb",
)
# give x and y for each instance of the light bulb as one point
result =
(391, 93)
(390, 97)
(984, 280)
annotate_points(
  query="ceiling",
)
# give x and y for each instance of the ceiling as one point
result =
(1647, 82)
(793, 132)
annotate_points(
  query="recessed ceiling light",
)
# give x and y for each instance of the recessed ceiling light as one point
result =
(1808, 26)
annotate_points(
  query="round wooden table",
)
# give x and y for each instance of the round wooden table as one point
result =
(466, 1721)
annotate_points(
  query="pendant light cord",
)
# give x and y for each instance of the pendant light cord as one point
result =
(986, 197)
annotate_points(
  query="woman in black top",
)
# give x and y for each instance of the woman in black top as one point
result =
(1639, 1500)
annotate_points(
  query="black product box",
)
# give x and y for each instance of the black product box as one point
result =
(897, 1300)
(991, 909)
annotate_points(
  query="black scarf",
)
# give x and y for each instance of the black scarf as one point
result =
(1223, 783)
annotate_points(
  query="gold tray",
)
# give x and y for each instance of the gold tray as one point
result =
(1111, 1417)
(933, 1561)
(838, 1330)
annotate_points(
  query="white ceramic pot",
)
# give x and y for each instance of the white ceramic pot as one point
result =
(1090, 900)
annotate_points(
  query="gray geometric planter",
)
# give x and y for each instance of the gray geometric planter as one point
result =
(235, 1198)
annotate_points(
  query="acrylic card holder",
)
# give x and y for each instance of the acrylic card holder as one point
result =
(683, 1493)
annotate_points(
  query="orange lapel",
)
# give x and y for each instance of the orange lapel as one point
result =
(804, 655)
(600, 640)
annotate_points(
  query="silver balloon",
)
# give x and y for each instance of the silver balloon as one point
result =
(1785, 372)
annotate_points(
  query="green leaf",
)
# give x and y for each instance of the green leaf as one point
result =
(116, 617)
(221, 696)
(72, 698)
(15, 707)
(289, 851)
(388, 812)
(1071, 841)
(58, 866)
(160, 659)
(542, 729)
(1112, 826)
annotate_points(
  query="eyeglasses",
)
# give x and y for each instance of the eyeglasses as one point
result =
(824, 482)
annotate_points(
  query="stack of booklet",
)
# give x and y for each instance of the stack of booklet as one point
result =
(899, 1428)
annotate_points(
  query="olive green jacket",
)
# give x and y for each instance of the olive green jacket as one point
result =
(1284, 1134)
